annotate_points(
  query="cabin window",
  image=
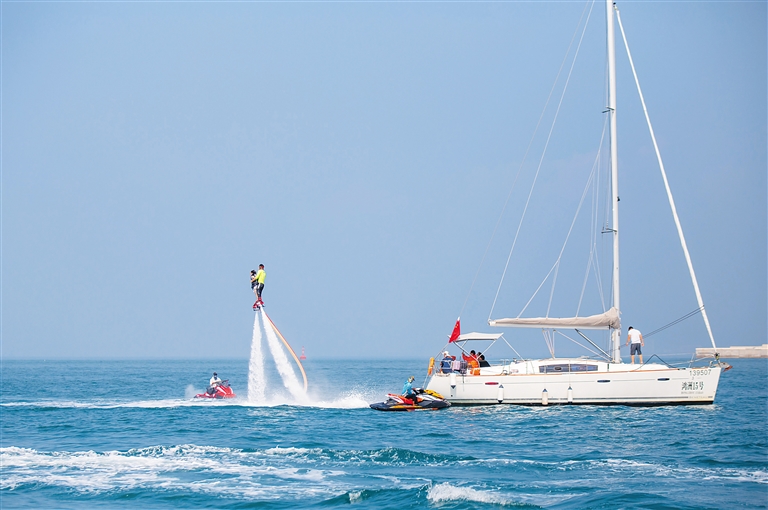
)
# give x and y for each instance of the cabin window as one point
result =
(554, 369)
(565, 367)
(583, 368)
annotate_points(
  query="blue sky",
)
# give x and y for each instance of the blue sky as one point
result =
(154, 153)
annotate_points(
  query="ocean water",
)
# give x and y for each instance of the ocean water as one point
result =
(126, 434)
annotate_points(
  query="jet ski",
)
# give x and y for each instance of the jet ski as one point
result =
(221, 391)
(425, 400)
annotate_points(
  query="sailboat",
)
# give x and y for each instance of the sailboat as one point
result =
(605, 380)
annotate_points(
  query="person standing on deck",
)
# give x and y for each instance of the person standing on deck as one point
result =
(635, 341)
(257, 284)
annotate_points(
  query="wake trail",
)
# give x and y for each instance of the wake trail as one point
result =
(256, 377)
(283, 365)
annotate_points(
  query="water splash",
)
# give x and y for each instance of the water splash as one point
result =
(284, 368)
(256, 378)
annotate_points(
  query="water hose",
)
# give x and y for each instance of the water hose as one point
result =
(287, 345)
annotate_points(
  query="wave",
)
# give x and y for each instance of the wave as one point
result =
(445, 492)
(200, 457)
(351, 400)
(388, 456)
(186, 467)
(380, 478)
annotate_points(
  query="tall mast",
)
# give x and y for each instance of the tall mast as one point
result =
(611, 45)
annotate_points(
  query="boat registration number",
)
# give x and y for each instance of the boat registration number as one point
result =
(700, 371)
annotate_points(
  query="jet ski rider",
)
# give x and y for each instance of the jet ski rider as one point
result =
(408, 390)
(213, 384)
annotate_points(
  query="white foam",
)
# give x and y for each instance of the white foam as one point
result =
(256, 377)
(759, 476)
(114, 404)
(220, 470)
(191, 391)
(352, 400)
(446, 492)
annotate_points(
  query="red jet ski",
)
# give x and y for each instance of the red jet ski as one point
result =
(221, 391)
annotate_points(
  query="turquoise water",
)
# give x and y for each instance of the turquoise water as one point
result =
(109, 434)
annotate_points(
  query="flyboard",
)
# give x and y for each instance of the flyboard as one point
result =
(287, 345)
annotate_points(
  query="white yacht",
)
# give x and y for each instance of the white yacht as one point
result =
(604, 379)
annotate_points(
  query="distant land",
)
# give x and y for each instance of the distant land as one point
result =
(745, 351)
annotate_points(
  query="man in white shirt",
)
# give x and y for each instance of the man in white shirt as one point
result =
(213, 384)
(635, 341)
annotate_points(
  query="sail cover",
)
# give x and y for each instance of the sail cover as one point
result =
(479, 336)
(609, 319)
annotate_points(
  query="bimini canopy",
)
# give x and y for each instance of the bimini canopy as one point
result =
(609, 319)
(479, 336)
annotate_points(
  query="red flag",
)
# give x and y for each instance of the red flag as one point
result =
(456, 331)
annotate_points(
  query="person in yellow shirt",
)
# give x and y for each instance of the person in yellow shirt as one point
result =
(257, 285)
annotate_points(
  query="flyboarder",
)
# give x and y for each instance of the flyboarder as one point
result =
(257, 285)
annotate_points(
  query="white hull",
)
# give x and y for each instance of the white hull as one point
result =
(590, 382)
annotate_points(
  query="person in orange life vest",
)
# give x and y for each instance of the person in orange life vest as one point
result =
(472, 362)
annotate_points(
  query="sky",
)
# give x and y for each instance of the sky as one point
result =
(153, 153)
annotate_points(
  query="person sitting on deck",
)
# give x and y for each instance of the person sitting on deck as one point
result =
(481, 360)
(408, 390)
(446, 362)
(472, 363)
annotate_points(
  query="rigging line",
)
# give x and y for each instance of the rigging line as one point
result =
(585, 337)
(549, 338)
(530, 143)
(592, 229)
(597, 273)
(537, 290)
(595, 252)
(578, 343)
(570, 231)
(513, 349)
(695, 282)
(676, 321)
(599, 280)
(552, 290)
(586, 279)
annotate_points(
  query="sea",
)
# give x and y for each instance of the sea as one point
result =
(130, 434)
